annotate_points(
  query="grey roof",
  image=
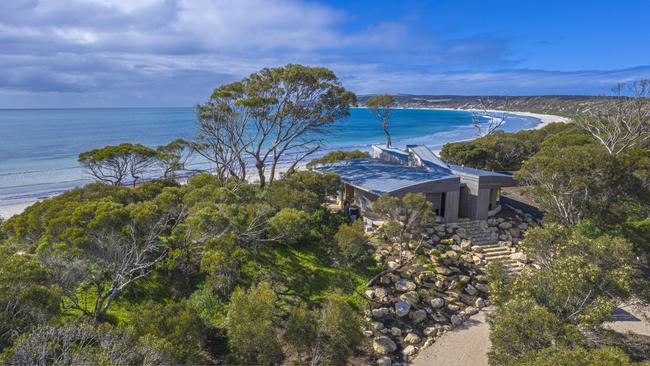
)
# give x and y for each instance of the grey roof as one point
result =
(428, 158)
(433, 162)
(379, 176)
(474, 171)
(397, 153)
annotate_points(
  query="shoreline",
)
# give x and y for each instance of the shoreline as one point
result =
(16, 206)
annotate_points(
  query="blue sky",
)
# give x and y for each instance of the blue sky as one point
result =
(74, 53)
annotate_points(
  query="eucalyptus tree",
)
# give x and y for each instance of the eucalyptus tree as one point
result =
(172, 157)
(624, 121)
(381, 106)
(114, 164)
(108, 246)
(270, 115)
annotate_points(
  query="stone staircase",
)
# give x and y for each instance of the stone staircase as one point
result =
(489, 248)
(497, 253)
(478, 232)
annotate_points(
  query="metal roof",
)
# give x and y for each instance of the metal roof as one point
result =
(474, 171)
(378, 176)
(433, 162)
(397, 153)
(428, 158)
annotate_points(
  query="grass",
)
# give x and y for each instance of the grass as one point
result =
(307, 274)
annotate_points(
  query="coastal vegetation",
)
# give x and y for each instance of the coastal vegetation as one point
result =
(336, 156)
(222, 270)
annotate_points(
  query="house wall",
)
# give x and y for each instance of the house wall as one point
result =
(480, 193)
(483, 204)
(434, 198)
(452, 205)
(364, 199)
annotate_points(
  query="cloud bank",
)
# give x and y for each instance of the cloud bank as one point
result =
(173, 52)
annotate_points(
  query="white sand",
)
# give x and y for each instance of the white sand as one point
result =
(14, 207)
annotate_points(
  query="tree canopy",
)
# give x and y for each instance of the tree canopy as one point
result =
(266, 116)
(114, 164)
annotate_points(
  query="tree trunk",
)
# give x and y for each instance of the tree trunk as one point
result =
(260, 172)
(388, 141)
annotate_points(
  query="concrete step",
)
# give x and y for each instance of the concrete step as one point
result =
(493, 248)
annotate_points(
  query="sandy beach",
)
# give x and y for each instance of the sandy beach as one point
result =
(9, 208)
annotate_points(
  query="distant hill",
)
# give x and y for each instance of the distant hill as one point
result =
(564, 105)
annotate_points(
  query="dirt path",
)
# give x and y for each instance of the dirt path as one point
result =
(465, 345)
(470, 343)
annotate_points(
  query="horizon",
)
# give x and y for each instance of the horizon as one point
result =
(159, 53)
(358, 106)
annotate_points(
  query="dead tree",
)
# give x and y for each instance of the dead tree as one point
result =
(624, 121)
(487, 110)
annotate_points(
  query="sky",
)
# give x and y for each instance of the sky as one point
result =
(136, 53)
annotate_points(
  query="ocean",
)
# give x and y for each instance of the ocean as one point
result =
(39, 147)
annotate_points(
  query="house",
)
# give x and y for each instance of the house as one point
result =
(454, 191)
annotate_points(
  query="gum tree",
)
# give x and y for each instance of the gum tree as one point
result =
(114, 164)
(272, 114)
(381, 106)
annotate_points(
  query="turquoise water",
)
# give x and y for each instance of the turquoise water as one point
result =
(39, 148)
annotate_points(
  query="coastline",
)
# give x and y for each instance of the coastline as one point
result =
(12, 207)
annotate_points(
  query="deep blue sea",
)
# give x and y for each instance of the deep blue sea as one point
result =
(39, 147)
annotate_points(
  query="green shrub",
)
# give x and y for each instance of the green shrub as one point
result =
(352, 242)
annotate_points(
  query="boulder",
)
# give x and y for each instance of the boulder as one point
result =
(412, 338)
(471, 289)
(456, 320)
(370, 294)
(418, 316)
(451, 254)
(404, 285)
(430, 331)
(402, 308)
(482, 287)
(383, 345)
(439, 317)
(411, 297)
(444, 270)
(463, 279)
(446, 241)
(409, 350)
(380, 292)
(505, 225)
(456, 248)
(453, 307)
(466, 244)
(380, 312)
(384, 361)
(440, 285)
(470, 310)
(437, 303)
(479, 303)
(395, 331)
(368, 333)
